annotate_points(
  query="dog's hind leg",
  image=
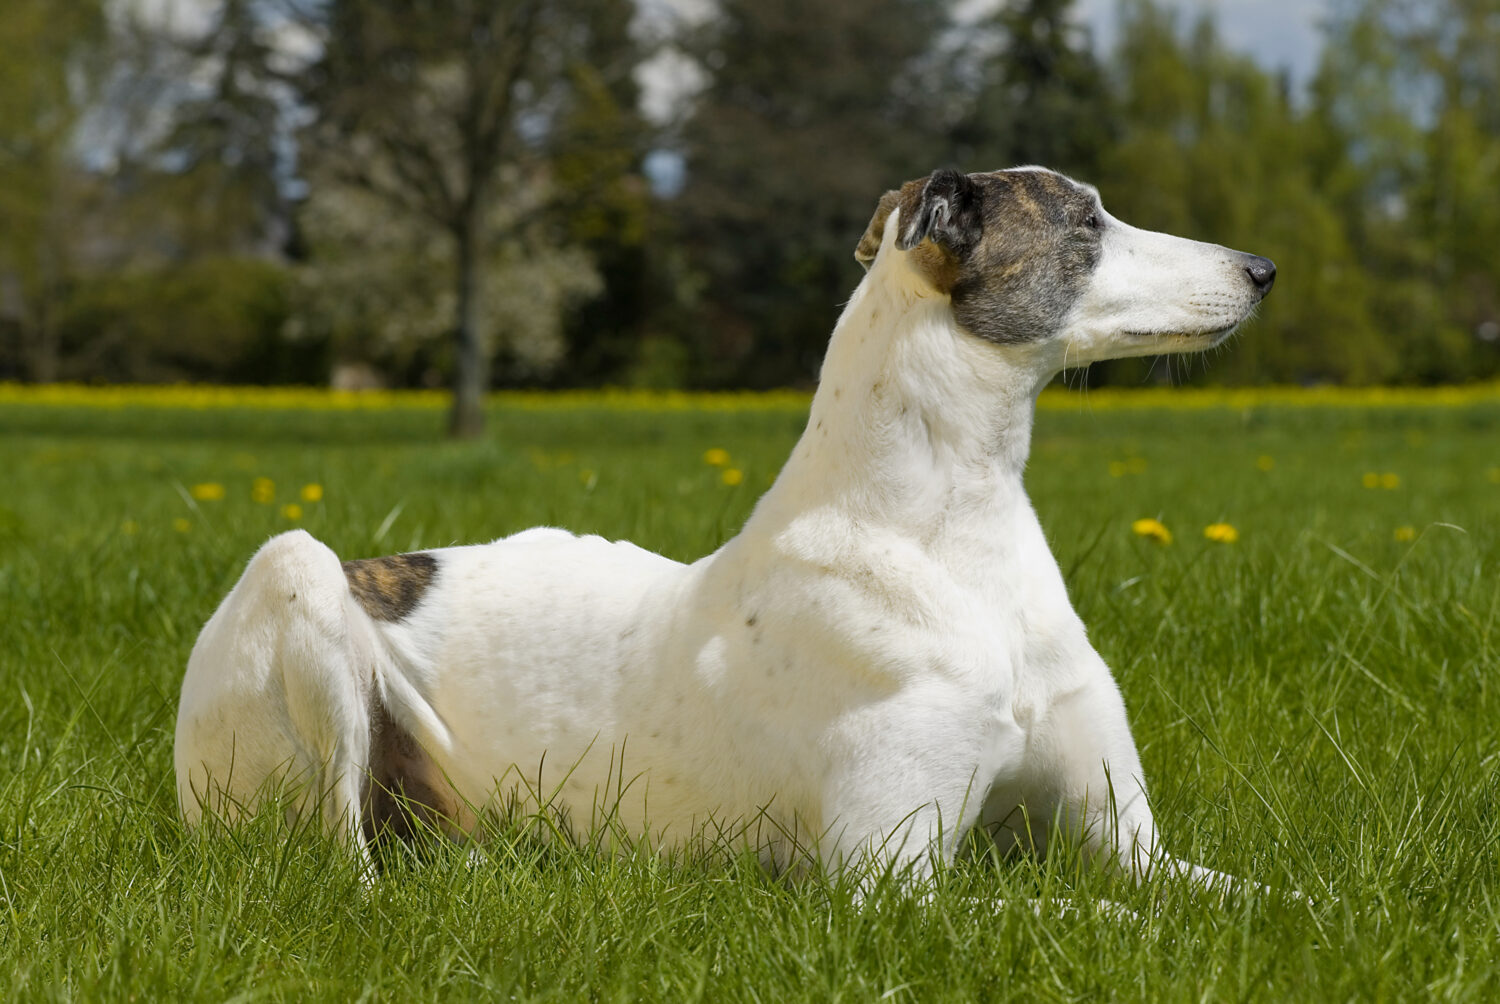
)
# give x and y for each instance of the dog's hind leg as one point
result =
(276, 698)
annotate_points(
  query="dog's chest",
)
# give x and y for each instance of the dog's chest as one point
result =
(980, 604)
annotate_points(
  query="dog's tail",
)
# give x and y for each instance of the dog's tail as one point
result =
(276, 700)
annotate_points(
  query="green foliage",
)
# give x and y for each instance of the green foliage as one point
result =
(1042, 97)
(217, 318)
(223, 182)
(1409, 92)
(1215, 150)
(475, 198)
(1314, 705)
(471, 121)
(810, 113)
(49, 69)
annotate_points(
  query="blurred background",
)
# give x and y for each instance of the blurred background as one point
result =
(667, 193)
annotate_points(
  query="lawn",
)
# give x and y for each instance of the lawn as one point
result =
(1316, 704)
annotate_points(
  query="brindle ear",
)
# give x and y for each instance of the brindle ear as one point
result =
(869, 244)
(945, 211)
(943, 208)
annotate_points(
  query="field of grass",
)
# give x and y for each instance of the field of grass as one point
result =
(1316, 703)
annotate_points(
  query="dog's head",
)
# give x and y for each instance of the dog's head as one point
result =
(1028, 255)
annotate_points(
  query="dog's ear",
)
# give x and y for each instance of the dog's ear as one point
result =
(943, 209)
(869, 245)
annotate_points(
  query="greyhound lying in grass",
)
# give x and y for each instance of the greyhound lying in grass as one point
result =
(882, 659)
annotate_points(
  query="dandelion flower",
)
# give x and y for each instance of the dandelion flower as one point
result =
(312, 493)
(209, 491)
(181, 525)
(263, 490)
(1265, 462)
(1117, 469)
(1154, 529)
(1390, 481)
(716, 457)
(291, 511)
(130, 527)
(1136, 465)
(732, 476)
(1370, 480)
(1223, 533)
(1406, 534)
(1494, 475)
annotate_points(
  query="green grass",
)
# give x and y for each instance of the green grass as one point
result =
(1316, 706)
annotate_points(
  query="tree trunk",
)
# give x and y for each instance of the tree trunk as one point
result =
(470, 361)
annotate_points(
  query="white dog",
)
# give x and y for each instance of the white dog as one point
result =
(884, 657)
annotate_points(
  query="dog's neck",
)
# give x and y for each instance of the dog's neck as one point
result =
(915, 421)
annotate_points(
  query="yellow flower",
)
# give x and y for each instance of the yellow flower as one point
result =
(181, 525)
(209, 491)
(1406, 534)
(716, 457)
(1136, 465)
(312, 493)
(1370, 480)
(732, 476)
(1152, 528)
(263, 490)
(130, 527)
(1494, 475)
(1117, 469)
(291, 511)
(1390, 481)
(1221, 532)
(1265, 462)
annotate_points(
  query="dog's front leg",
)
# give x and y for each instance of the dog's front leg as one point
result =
(1096, 777)
(901, 809)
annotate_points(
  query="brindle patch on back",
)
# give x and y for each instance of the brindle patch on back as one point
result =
(390, 588)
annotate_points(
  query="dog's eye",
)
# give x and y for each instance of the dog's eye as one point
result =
(1092, 221)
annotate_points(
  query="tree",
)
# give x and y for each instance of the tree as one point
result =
(377, 285)
(1211, 146)
(448, 112)
(49, 75)
(811, 112)
(605, 203)
(1039, 96)
(220, 166)
(1411, 91)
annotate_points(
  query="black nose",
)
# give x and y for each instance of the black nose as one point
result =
(1262, 272)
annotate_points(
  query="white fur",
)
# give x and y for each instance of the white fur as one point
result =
(884, 657)
(1164, 293)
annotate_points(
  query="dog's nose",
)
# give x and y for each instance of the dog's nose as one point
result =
(1262, 272)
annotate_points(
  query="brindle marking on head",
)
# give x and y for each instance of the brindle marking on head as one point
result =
(390, 588)
(1012, 248)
